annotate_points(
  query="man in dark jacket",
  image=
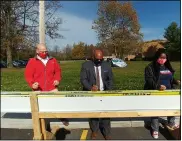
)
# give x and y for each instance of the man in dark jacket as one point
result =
(96, 75)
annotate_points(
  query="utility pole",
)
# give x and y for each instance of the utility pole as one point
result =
(41, 22)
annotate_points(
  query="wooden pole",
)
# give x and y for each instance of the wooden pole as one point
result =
(43, 128)
(41, 22)
(46, 134)
(35, 117)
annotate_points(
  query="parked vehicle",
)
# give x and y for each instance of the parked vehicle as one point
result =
(116, 62)
(3, 64)
(20, 63)
(25, 61)
(16, 63)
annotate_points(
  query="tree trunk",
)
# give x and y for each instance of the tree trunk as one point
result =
(115, 50)
(8, 26)
(121, 53)
(18, 55)
(9, 56)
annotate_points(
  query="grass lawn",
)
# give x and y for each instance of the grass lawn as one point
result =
(128, 78)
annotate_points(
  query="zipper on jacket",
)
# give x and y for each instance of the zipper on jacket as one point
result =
(45, 72)
(45, 82)
(45, 78)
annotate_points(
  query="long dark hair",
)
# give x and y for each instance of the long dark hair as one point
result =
(167, 64)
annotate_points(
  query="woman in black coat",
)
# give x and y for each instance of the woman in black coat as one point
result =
(159, 75)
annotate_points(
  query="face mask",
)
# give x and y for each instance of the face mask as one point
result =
(43, 55)
(161, 61)
(98, 62)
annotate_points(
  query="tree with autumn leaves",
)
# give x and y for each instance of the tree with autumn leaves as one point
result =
(118, 28)
(78, 51)
(82, 51)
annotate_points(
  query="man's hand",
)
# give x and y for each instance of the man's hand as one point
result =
(65, 121)
(162, 87)
(94, 88)
(35, 85)
(56, 82)
(179, 82)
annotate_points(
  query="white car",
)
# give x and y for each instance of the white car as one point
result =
(116, 62)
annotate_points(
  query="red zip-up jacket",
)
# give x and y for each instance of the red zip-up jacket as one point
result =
(36, 71)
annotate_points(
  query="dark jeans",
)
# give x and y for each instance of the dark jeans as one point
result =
(155, 122)
(105, 122)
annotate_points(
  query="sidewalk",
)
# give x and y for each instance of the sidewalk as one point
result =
(129, 133)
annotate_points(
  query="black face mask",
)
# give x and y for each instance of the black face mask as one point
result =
(98, 62)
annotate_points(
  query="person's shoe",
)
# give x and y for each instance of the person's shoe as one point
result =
(93, 136)
(155, 134)
(107, 137)
(172, 126)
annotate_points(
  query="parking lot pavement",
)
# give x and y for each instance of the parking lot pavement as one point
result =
(77, 134)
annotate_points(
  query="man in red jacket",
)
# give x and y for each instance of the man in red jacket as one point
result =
(43, 72)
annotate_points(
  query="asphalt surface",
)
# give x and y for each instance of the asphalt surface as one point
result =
(127, 133)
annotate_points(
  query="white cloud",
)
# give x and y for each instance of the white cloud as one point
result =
(76, 29)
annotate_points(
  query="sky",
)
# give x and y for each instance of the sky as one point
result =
(78, 17)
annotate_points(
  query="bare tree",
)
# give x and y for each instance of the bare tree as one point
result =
(56, 50)
(19, 23)
(67, 52)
